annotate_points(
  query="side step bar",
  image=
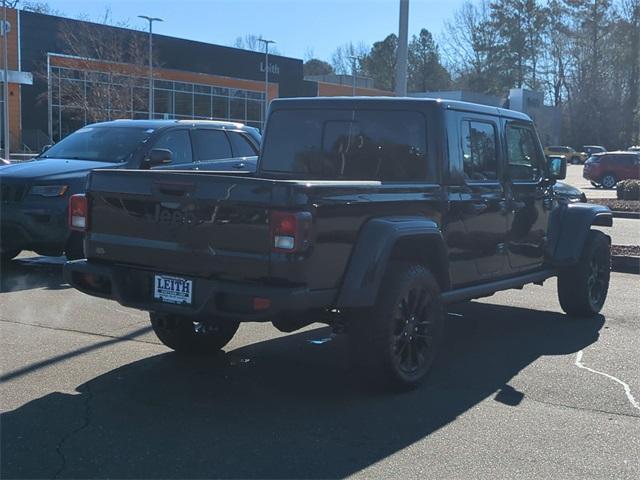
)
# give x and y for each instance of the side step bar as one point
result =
(487, 289)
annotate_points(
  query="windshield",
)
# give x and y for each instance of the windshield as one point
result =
(100, 144)
(347, 144)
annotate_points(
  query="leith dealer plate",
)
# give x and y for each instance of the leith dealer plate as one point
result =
(170, 289)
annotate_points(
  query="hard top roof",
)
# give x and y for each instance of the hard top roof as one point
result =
(395, 102)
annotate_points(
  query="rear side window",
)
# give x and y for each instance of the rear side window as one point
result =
(210, 145)
(242, 146)
(177, 141)
(523, 153)
(479, 151)
(347, 144)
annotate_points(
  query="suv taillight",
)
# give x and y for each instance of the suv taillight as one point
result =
(290, 231)
(78, 212)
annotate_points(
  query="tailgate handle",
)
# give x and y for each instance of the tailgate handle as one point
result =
(176, 189)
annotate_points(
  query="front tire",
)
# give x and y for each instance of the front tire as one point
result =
(395, 343)
(188, 335)
(582, 288)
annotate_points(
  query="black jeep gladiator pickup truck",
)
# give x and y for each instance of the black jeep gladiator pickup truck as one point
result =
(366, 214)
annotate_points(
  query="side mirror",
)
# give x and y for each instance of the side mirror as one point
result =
(157, 156)
(45, 148)
(557, 168)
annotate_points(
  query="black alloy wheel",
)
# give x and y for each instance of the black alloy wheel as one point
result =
(394, 344)
(413, 334)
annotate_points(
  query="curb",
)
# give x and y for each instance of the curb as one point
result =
(620, 214)
(625, 264)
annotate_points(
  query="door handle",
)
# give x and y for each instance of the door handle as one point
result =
(479, 207)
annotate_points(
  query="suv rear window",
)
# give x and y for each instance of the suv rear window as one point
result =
(347, 144)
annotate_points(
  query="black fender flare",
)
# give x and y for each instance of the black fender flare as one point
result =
(568, 228)
(372, 252)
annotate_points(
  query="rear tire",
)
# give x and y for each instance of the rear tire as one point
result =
(608, 181)
(7, 255)
(582, 288)
(186, 335)
(394, 344)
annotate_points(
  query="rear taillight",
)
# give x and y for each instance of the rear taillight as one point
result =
(78, 212)
(290, 231)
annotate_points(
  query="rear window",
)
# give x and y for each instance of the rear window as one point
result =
(347, 144)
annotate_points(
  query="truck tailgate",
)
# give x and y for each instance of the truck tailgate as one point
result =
(199, 224)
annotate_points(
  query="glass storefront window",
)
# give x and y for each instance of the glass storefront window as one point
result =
(79, 97)
(184, 104)
(202, 106)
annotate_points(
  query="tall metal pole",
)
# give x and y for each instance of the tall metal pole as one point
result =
(266, 78)
(151, 95)
(401, 61)
(353, 74)
(5, 54)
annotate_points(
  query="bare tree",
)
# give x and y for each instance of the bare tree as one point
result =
(252, 42)
(37, 6)
(340, 58)
(109, 75)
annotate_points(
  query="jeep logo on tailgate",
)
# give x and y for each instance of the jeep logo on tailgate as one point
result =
(170, 216)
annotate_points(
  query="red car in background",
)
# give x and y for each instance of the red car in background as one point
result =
(607, 169)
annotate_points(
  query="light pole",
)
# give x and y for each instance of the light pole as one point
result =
(150, 20)
(5, 86)
(266, 78)
(403, 38)
(353, 74)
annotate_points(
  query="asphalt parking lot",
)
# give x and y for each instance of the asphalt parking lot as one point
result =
(520, 391)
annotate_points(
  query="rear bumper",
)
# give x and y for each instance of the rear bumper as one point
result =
(132, 287)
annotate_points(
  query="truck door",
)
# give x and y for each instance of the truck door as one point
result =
(528, 199)
(484, 221)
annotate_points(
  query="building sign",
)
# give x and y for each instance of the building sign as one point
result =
(273, 68)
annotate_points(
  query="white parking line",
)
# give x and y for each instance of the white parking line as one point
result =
(627, 389)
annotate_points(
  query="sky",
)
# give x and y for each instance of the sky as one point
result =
(299, 27)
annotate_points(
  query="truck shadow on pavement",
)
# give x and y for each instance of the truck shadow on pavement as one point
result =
(32, 272)
(282, 408)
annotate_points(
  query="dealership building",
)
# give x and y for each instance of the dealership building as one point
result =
(55, 88)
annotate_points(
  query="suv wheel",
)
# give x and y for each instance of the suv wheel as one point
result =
(608, 180)
(395, 343)
(575, 160)
(582, 288)
(6, 255)
(185, 335)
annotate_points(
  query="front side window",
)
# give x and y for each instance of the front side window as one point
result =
(479, 151)
(177, 141)
(347, 144)
(523, 153)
